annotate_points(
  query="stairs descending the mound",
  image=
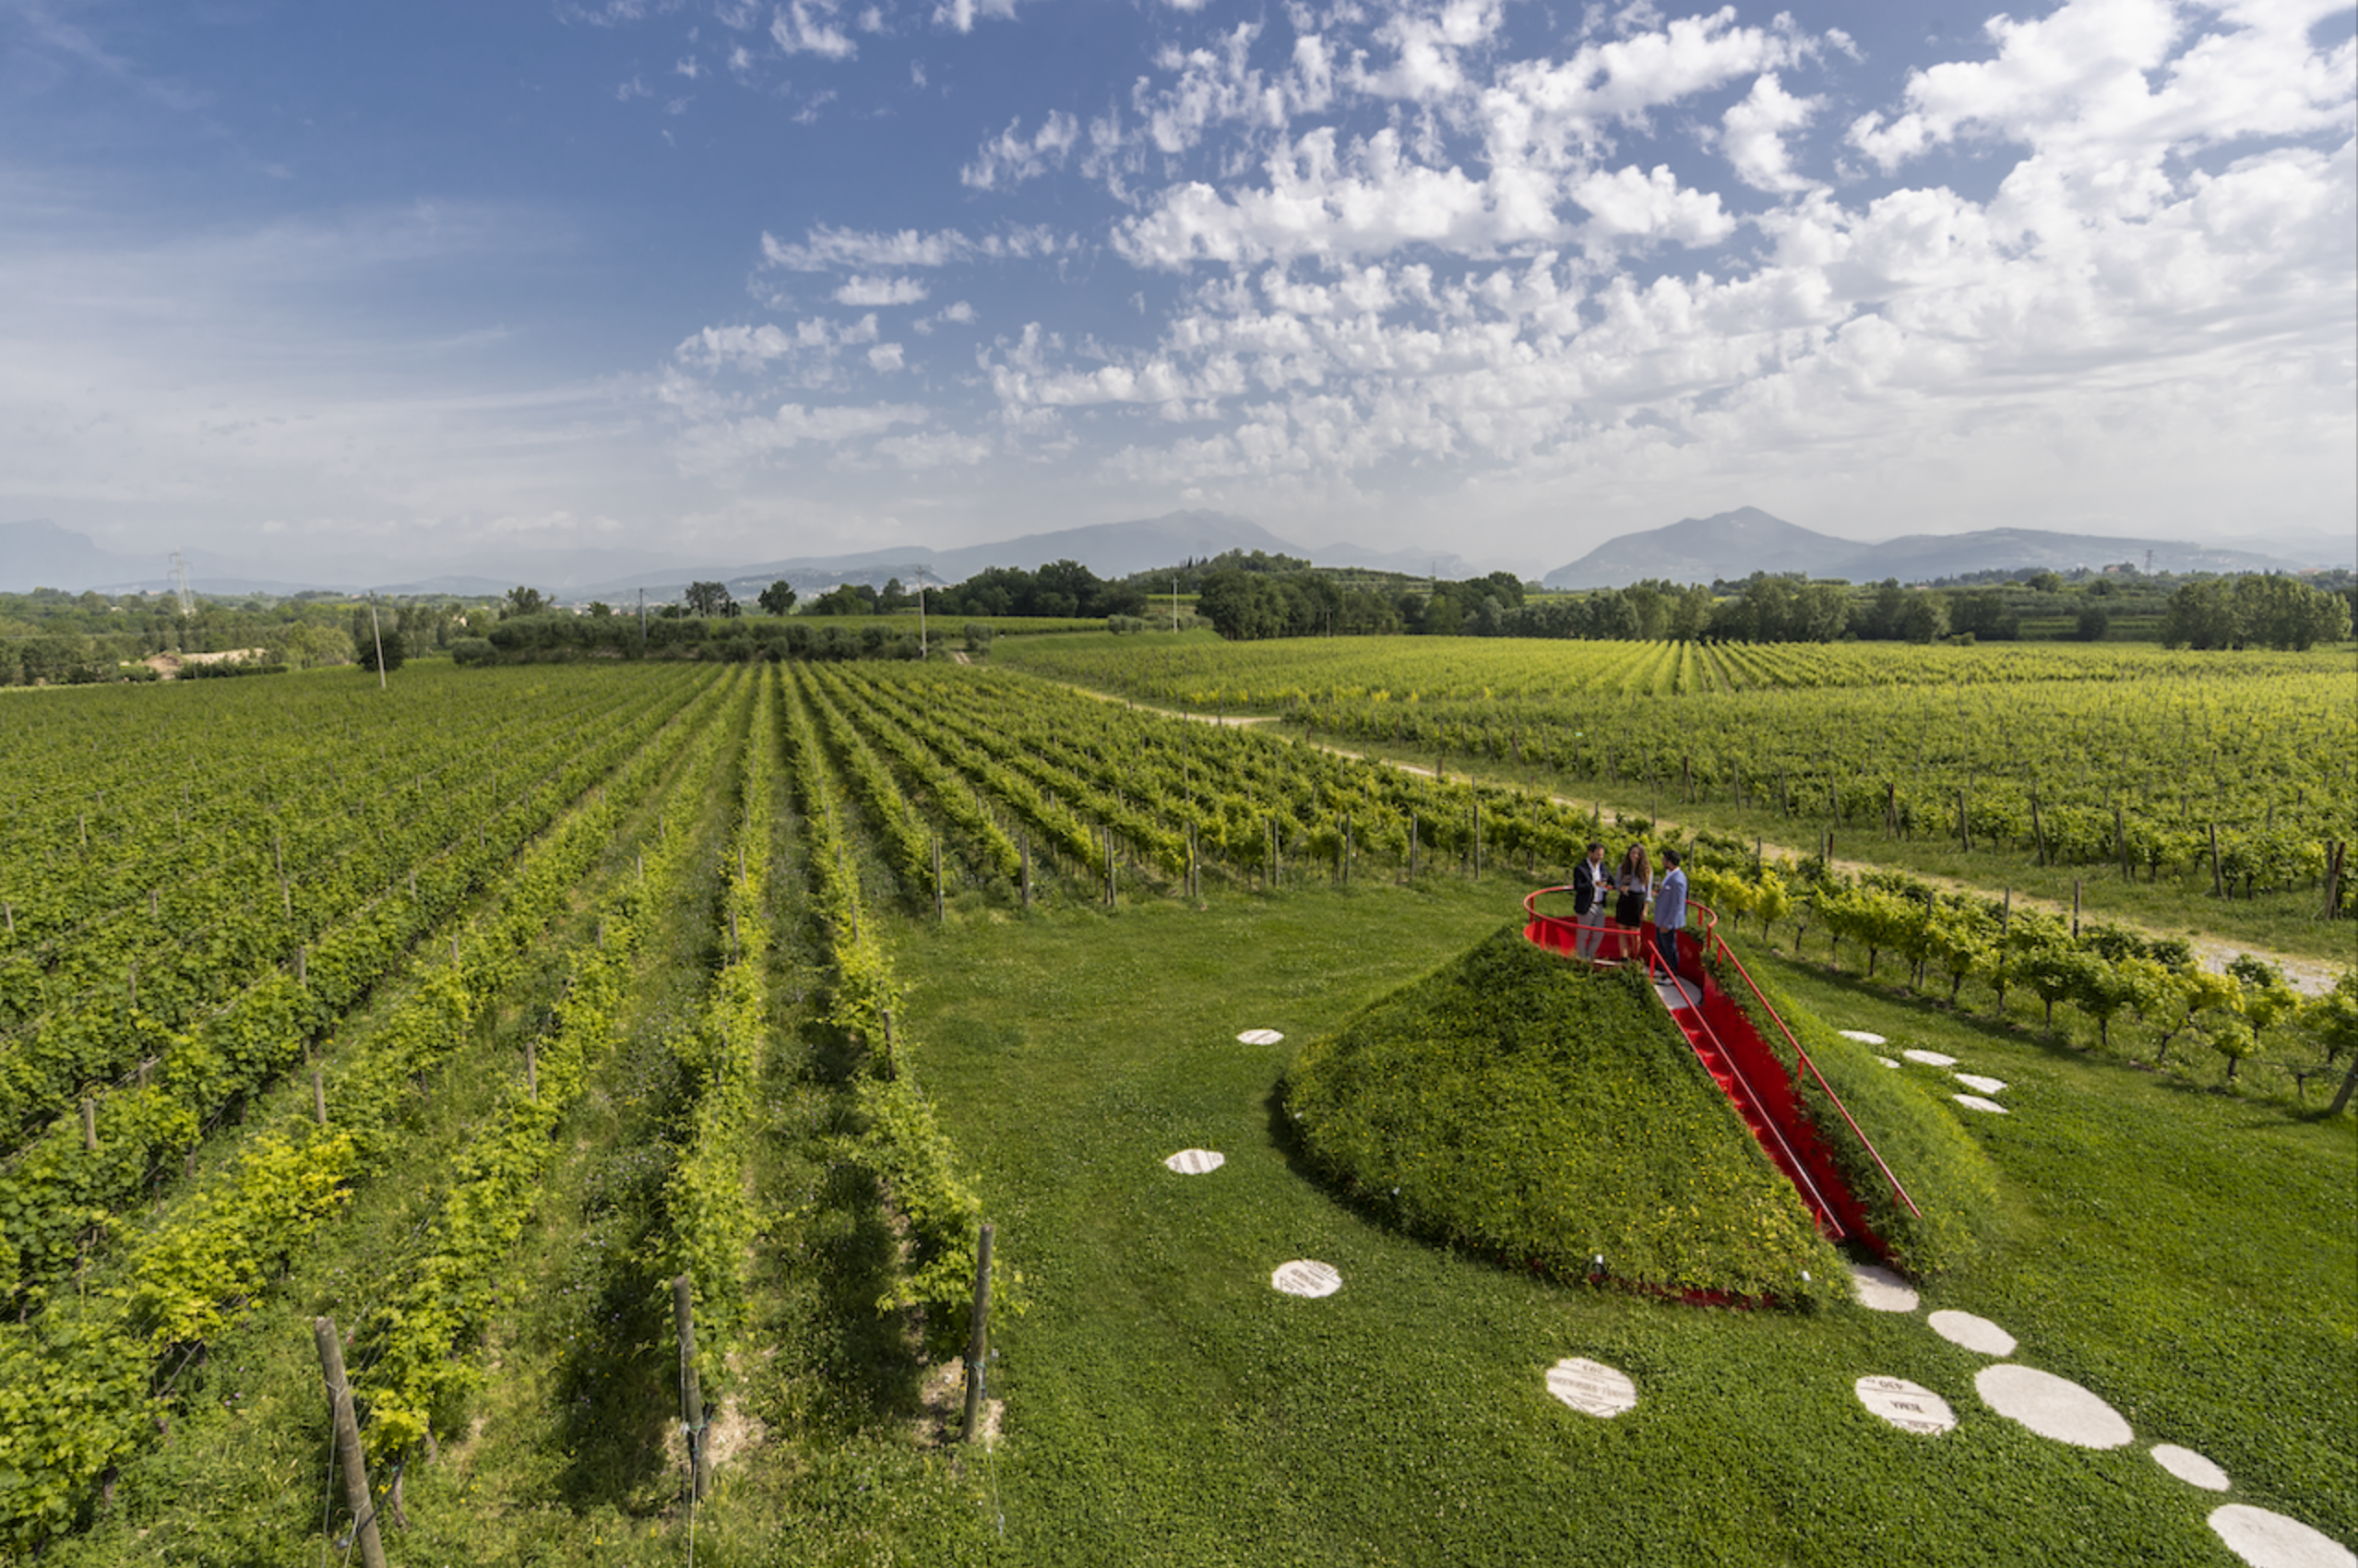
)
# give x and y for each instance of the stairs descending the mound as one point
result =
(1756, 1081)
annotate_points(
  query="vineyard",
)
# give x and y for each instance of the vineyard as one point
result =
(491, 1017)
(2205, 776)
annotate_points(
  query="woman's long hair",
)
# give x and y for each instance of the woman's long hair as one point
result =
(1635, 863)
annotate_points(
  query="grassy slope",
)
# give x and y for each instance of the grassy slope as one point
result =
(1166, 1406)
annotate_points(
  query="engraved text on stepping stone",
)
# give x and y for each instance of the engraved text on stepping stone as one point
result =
(1882, 1290)
(1973, 1333)
(2189, 1466)
(1907, 1406)
(1930, 1058)
(1864, 1037)
(1196, 1161)
(1979, 1083)
(1976, 1102)
(2272, 1540)
(2051, 1406)
(1303, 1277)
(1592, 1387)
(1259, 1037)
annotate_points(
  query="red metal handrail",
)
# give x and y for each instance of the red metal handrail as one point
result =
(1864, 1141)
(1798, 1170)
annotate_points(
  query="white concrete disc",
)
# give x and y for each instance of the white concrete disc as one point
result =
(1976, 1102)
(1303, 1277)
(1864, 1037)
(1592, 1387)
(1259, 1037)
(2272, 1540)
(1196, 1161)
(2189, 1466)
(2051, 1406)
(1886, 1061)
(1930, 1058)
(1973, 1333)
(1979, 1083)
(1907, 1406)
(1881, 1290)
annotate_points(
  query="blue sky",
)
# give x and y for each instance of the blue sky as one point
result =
(408, 287)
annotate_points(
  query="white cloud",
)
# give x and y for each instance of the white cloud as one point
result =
(1753, 135)
(885, 357)
(1650, 205)
(1010, 158)
(959, 15)
(824, 249)
(718, 446)
(807, 26)
(864, 290)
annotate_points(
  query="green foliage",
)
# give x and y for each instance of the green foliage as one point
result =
(1528, 1107)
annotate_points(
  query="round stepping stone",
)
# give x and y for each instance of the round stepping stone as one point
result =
(2189, 1466)
(1976, 1102)
(2272, 1540)
(1979, 1083)
(1974, 1333)
(2051, 1406)
(1886, 1061)
(1881, 1290)
(1196, 1161)
(1259, 1037)
(1592, 1387)
(1930, 1058)
(1303, 1277)
(1864, 1037)
(1907, 1406)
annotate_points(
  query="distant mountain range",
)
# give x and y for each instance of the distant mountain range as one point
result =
(1738, 544)
(1729, 545)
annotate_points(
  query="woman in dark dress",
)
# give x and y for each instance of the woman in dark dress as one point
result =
(1633, 884)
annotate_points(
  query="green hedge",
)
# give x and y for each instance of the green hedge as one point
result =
(1516, 1104)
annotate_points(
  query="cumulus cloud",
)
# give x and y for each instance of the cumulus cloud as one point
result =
(807, 26)
(959, 16)
(1753, 134)
(718, 445)
(1011, 158)
(864, 290)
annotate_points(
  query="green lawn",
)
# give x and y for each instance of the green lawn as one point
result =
(2185, 1256)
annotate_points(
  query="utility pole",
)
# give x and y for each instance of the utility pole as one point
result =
(1174, 603)
(642, 617)
(378, 633)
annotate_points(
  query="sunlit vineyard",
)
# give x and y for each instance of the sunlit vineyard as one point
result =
(2157, 764)
(473, 1013)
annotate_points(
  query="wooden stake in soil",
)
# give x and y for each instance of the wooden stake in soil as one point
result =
(89, 1123)
(2075, 908)
(690, 1393)
(318, 1097)
(2218, 888)
(939, 911)
(978, 1342)
(348, 1443)
(1026, 845)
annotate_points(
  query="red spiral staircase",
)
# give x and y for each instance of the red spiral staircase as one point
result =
(1756, 1082)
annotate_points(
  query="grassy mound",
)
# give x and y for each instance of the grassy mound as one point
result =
(1518, 1104)
(1915, 1130)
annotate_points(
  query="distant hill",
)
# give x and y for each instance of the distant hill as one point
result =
(1738, 544)
(38, 554)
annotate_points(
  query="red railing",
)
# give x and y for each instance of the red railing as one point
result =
(1558, 932)
(1795, 1168)
(1856, 1131)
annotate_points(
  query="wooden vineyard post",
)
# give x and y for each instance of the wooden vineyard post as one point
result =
(1411, 849)
(318, 1095)
(348, 1443)
(2218, 888)
(2038, 834)
(1109, 869)
(1190, 882)
(2333, 878)
(89, 1123)
(691, 1392)
(1026, 869)
(1964, 828)
(978, 1340)
(2075, 908)
(1477, 839)
(1891, 810)
(2120, 838)
(938, 914)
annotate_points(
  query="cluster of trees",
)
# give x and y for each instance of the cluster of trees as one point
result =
(50, 637)
(559, 636)
(2269, 611)
(1249, 601)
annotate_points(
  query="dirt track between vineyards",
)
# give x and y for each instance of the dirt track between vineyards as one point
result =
(2310, 976)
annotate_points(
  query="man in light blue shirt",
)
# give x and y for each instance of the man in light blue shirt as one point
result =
(1670, 910)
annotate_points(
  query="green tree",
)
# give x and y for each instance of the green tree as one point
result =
(371, 636)
(522, 600)
(777, 599)
(709, 598)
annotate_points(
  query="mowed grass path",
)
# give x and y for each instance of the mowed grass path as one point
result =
(1164, 1404)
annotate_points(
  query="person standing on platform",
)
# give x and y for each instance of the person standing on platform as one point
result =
(1670, 910)
(1589, 878)
(1632, 886)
